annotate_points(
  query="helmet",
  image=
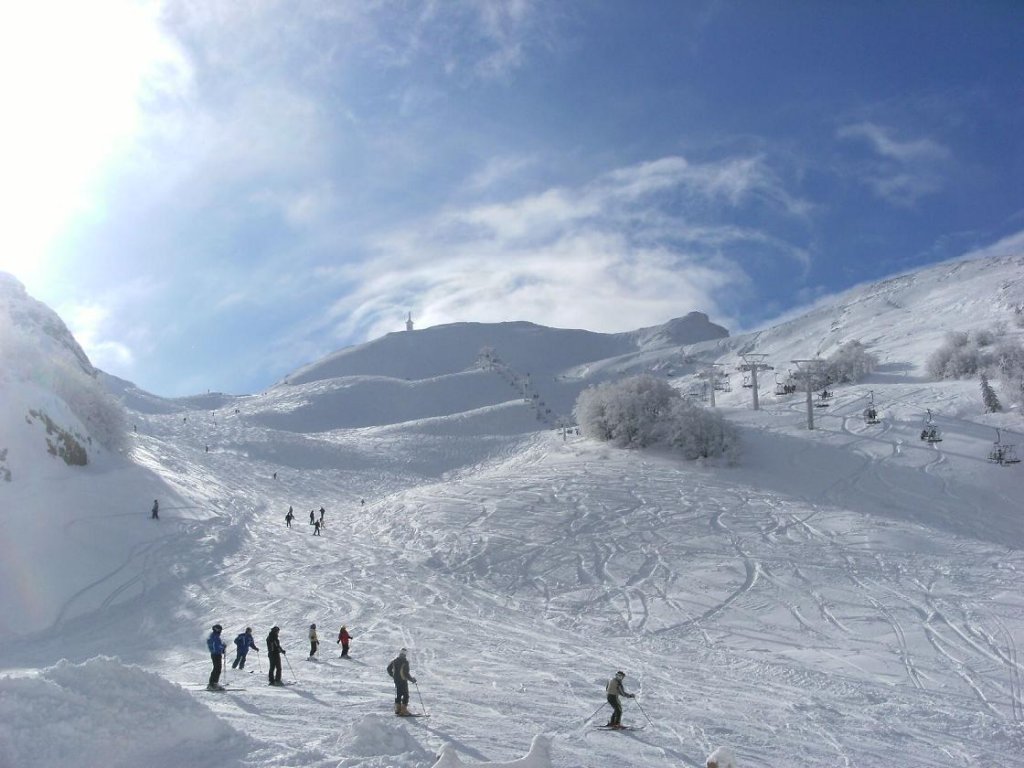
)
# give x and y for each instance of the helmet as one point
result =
(275, 629)
(620, 674)
(248, 630)
(217, 627)
(312, 626)
(402, 652)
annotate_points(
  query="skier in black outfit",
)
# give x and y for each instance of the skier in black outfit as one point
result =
(217, 648)
(274, 651)
(312, 514)
(316, 528)
(289, 517)
(155, 512)
(399, 671)
(615, 689)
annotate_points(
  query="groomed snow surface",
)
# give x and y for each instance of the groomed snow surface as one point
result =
(840, 597)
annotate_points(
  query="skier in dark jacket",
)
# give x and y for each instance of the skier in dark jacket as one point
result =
(343, 638)
(274, 651)
(312, 514)
(614, 689)
(399, 671)
(289, 517)
(154, 514)
(217, 648)
(243, 643)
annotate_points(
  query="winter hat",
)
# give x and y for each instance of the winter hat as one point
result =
(620, 674)
(402, 652)
(275, 629)
(248, 630)
(312, 626)
(217, 627)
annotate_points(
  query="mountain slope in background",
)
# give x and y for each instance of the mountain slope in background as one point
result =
(843, 596)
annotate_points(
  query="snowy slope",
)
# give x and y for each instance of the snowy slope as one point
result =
(847, 596)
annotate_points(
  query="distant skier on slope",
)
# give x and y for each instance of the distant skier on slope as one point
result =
(289, 517)
(614, 689)
(343, 638)
(154, 514)
(316, 528)
(323, 523)
(274, 652)
(399, 671)
(312, 514)
(217, 648)
(243, 643)
(314, 641)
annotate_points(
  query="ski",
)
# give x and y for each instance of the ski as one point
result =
(620, 728)
(412, 715)
(219, 690)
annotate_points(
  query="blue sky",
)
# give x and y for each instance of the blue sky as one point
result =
(215, 193)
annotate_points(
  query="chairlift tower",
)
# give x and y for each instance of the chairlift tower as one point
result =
(807, 369)
(752, 363)
(712, 376)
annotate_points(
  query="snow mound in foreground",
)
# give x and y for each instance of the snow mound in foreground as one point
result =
(103, 713)
(385, 742)
(539, 756)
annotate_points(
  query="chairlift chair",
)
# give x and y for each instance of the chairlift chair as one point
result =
(870, 415)
(747, 383)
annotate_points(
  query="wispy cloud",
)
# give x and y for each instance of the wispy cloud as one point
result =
(654, 240)
(903, 171)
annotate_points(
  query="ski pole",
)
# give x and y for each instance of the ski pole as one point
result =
(642, 710)
(588, 719)
(290, 670)
(422, 705)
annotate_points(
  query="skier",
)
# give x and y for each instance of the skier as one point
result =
(274, 651)
(343, 638)
(314, 641)
(316, 528)
(322, 523)
(312, 514)
(154, 513)
(614, 689)
(243, 643)
(217, 648)
(289, 517)
(399, 671)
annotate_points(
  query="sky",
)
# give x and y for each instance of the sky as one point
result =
(212, 194)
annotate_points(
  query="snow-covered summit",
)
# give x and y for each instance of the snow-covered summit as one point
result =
(452, 348)
(32, 317)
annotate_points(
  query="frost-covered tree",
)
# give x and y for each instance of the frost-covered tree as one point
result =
(988, 396)
(850, 363)
(643, 410)
(961, 355)
(627, 413)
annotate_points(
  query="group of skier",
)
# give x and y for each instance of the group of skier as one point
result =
(244, 642)
(397, 669)
(318, 525)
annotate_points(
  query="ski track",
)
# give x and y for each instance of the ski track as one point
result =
(563, 561)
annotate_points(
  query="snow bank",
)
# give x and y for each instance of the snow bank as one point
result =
(721, 758)
(539, 756)
(103, 713)
(378, 741)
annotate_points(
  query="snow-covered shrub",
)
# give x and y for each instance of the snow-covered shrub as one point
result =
(643, 410)
(628, 413)
(1008, 368)
(850, 363)
(700, 433)
(961, 355)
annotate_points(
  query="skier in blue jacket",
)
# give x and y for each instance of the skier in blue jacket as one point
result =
(217, 648)
(243, 643)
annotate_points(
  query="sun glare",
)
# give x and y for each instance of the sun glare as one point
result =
(71, 75)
